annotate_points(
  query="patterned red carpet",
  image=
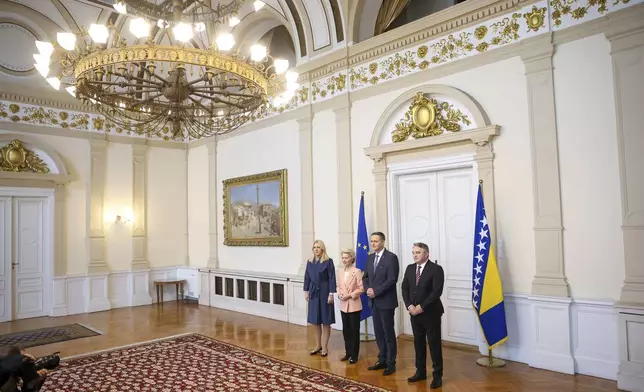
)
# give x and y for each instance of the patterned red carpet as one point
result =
(190, 363)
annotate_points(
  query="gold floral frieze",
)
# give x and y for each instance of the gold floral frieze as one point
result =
(15, 157)
(329, 87)
(565, 13)
(428, 117)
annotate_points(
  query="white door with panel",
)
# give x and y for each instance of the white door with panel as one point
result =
(437, 208)
(24, 251)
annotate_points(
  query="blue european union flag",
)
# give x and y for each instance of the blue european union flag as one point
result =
(362, 251)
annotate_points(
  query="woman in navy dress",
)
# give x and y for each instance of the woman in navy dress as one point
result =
(319, 287)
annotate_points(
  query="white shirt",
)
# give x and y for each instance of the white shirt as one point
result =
(378, 257)
(422, 267)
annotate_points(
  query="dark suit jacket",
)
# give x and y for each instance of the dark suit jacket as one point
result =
(428, 292)
(383, 280)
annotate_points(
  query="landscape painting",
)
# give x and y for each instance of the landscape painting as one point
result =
(256, 210)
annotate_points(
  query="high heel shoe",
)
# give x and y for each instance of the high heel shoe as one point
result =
(324, 354)
(314, 352)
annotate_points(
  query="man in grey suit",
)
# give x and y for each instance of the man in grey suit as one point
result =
(379, 280)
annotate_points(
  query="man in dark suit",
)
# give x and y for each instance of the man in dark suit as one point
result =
(379, 280)
(422, 287)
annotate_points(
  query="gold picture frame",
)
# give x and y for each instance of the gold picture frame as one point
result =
(256, 209)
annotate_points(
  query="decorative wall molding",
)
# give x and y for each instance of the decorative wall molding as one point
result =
(470, 29)
(631, 348)
(139, 207)
(305, 136)
(213, 227)
(95, 199)
(560, 334)
(549, 278)
(77, 294)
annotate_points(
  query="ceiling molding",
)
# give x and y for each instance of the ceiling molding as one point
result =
(4, 96)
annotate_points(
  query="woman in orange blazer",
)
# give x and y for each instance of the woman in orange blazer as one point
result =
(349, 290)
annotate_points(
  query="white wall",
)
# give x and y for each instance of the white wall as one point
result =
(325, 184)
(593, 247)
(268, 149)
(198, 206)
(492, 86)
(167, 212)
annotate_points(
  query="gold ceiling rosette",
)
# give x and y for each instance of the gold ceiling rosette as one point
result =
(197, 86)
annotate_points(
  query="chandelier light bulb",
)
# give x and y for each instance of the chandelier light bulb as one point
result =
(163, 24)
(182, 32)
(234, 21)
(42, 60)
(66, 40)
(120, 7)
(292, 86)
(99, 33)
(291, 76)
(288, 95)
(200, 26)
(54, 82)
(43, 69)
(225, 42)
(139, 28)
(45, 48)
(71, 90)
(281, 66)
(257, 52)
(259, 5)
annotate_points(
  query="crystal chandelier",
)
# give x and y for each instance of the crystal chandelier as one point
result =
(182, 91)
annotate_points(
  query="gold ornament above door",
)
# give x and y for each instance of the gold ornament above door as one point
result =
(14, 157)
(428, 117)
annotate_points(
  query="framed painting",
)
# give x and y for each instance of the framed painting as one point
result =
(256, 210)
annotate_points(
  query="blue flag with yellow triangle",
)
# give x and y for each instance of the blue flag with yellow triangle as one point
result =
(362, 251)
(487, 291)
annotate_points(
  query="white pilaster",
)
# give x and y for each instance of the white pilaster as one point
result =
(213, 258)
(139, 207)
(380, 171)
(549, 279)
(305, 132)
(346, 238)
(627, 54)
(96, 189)
(60, 259)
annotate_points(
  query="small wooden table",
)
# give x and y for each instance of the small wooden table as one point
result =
(159, 283)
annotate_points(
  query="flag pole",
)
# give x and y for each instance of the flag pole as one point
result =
(489, 361)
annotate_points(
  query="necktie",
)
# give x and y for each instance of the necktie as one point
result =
(375, 263)
(417, 275)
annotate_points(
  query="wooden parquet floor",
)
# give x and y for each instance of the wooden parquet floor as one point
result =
(292, 343)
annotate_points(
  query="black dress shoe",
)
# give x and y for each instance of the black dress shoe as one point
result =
(345, 358)
(436, 383)
(417, 377)
(391, 369)
(352, 361)
(377, 366)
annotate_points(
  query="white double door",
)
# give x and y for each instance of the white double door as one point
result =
(437, 208)
(24, 254)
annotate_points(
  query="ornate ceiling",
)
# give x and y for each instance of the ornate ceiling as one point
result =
(317, 27)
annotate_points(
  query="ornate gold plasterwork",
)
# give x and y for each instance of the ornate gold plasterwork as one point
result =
(536, 18)
(578, 9)
(428, 117)
(15, 157)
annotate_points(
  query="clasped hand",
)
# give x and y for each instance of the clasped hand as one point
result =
(370, 293)
(415, 310)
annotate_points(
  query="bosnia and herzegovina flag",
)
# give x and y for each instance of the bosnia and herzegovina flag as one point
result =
(487, 291)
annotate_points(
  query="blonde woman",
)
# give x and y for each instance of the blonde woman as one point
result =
(319, 287)
(349, 290)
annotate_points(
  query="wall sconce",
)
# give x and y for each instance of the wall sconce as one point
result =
(121, 219)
